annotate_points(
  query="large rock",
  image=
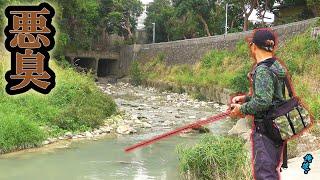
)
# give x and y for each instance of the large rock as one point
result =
(68, 135)
(240, 127)
(201, 129)
(118, 118)
(137, 121)
(52, 140)
(46, 142)
(88, 134)
(140, 117)
(97, 131)
(125, 129)
(168, 123)
(246, 136)
(146, 125)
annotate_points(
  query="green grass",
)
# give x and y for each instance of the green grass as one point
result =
(18, 132)
(75, 104)
(215, 157)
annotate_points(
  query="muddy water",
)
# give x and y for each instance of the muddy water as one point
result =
(150, 113)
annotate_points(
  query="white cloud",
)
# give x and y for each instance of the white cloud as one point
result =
(144, 15)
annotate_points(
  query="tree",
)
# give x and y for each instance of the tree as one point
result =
(295, 10)
(242, 10)
(235, 16)
(123, 18)
(3, 5)
(314, 5)
(201, 9)
(247, 7)
(79, 21)
(263, 7)
(160, 12)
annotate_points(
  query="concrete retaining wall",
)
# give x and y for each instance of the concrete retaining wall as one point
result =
(190, 51)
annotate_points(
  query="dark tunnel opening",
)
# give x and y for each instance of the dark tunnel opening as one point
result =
(85, 64)
(106, 67)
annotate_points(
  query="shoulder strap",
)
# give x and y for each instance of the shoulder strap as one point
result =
(289, 88)
(284, 156)
(286, 78)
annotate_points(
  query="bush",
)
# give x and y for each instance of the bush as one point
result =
(80, 102)
(215, 157)
(213, 58)
(17, 132)
(87, 112)
(135, 73)
(198, 95)
(182, 75)
(240, 82)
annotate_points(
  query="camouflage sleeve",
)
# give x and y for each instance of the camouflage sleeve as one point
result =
(263, 93)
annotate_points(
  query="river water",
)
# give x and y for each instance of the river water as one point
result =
(104, 158)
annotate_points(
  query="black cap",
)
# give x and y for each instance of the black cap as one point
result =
(264, 39)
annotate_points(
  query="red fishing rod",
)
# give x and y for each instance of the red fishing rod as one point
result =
(178, 130)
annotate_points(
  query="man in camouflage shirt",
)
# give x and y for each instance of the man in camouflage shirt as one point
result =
(267, 90)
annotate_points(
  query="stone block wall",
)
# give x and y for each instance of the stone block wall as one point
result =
(190, 51)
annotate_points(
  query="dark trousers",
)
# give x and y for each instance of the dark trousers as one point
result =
(266, 157)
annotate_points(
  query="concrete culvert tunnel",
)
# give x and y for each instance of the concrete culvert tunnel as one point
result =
(106, 67)
(85, 64)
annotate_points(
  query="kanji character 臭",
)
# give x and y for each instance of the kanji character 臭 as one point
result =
(30, 68)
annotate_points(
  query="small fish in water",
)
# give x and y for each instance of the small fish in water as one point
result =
(127, 162)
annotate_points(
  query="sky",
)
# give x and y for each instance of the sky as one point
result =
(144, 15)
(146, 1)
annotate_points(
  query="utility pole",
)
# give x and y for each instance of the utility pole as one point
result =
(226, 26)
(154, 33)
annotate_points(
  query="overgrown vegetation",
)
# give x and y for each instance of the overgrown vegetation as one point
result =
(135, 73)
(215, 157)
(228, 69)
(75, 104)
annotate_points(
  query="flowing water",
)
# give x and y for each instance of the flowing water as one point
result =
(104, 158)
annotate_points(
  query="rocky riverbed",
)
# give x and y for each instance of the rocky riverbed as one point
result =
(148, 108)
(144, 109)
